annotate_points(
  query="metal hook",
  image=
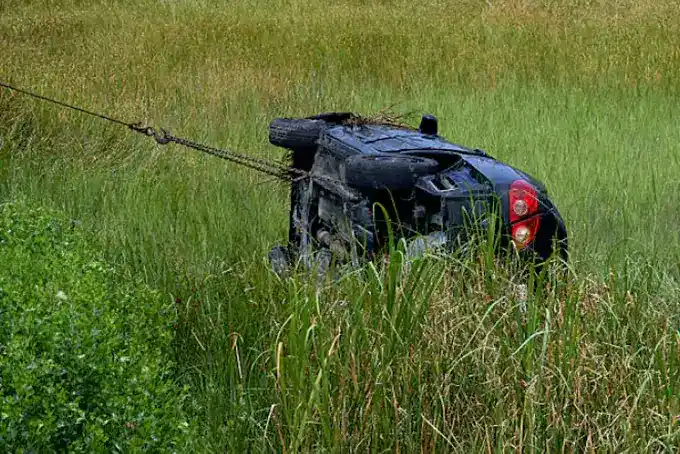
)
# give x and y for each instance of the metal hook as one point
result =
(165, 138)
(162, 139)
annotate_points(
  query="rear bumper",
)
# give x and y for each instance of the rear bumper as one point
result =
(551, 238)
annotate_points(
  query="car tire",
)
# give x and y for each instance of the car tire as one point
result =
(295, 134)
(386, 171)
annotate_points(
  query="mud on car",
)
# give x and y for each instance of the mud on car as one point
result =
(431, 192)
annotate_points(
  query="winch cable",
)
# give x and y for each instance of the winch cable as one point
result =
(279, 171)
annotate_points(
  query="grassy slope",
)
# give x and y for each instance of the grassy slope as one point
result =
(582, 95)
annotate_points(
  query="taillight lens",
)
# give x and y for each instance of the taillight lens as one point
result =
(523, 204)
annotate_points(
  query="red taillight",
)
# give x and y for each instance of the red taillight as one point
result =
(523, 204)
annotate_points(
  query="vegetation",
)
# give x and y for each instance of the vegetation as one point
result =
(84, 348)
(444, 356)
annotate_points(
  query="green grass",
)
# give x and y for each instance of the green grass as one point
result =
(583, 95)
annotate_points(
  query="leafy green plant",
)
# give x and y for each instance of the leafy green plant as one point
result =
(84, 359)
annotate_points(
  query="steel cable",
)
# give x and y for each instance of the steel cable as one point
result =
(164, 137)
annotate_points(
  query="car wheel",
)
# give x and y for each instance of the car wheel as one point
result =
(295, 134)
(386, 171)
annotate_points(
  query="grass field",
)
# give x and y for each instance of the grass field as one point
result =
(584, 95)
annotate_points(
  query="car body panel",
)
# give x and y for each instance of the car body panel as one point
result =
(371, 139)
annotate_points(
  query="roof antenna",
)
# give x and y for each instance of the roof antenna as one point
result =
(428, 125)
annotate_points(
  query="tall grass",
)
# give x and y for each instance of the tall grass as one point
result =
(582, 95)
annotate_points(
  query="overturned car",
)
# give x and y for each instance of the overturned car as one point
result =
(375, 180)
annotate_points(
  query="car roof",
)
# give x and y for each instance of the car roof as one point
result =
(370, 138)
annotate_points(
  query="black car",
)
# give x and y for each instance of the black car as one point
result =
(370, 179)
